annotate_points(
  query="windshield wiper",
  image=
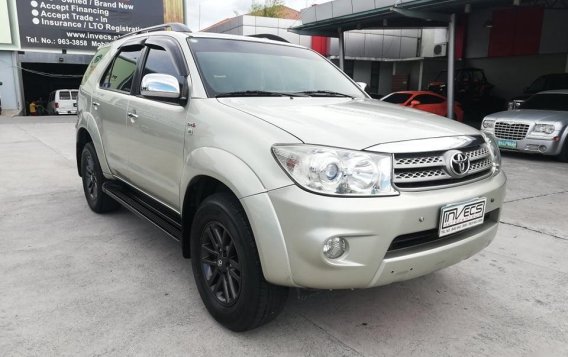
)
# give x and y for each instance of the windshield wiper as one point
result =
(324, 93)
(258, 93)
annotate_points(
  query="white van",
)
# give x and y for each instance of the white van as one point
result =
(62, 101)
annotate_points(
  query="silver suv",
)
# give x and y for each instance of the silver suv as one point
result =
(273, 169)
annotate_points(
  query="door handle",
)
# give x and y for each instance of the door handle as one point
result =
(96, 104)
(132, 117)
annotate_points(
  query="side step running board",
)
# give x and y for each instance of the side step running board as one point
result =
(145, 207)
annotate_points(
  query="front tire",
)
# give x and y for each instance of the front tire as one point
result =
(93, 180)
(226, 266)
(563, 156)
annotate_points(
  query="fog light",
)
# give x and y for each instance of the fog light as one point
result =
(334, 247)
(542, 148)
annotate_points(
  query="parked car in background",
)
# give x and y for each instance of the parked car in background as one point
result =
(551, 81)
(62, 101)
(539, 126)
(426, 101)
(471, 84)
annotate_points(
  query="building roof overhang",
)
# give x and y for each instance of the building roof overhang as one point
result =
(325, 19)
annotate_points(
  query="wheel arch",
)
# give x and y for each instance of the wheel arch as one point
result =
(212, 170)
(200, 187)
(88, 131)
(83, 137)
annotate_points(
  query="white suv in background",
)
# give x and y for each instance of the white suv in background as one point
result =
(274, 169)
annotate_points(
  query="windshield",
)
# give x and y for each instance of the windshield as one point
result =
(396, 98)
(234, 66)
(547, 102)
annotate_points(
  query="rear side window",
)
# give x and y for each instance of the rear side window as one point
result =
(64, 95)
(558, 82)
(428, 99)
(396, 98)
(120, 73)
(95, 62)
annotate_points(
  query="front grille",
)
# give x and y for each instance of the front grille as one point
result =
(509, 131)
(423, 170)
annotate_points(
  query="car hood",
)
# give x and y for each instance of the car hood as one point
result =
(347, 123)
(530, 115)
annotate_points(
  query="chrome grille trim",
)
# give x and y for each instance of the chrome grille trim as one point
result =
(413, 162)
(421, 176)
(511, 131)
(427, 170)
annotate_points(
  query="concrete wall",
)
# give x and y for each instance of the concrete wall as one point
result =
(362, 71)
(46, 57)
(379, 44)
(385, 78)
(10, 88)
(511, 75)
(554, 36)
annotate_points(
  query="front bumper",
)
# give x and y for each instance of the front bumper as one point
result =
(544, 146)
(306, 220)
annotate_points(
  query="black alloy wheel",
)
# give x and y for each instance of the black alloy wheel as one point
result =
(220, 263)
(226, 266)
(90, 177)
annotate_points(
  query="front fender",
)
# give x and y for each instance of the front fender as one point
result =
(223, 166)
(245, 184)
(87, 122)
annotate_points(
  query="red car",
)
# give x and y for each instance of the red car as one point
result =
(426, 101)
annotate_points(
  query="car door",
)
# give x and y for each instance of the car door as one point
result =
(109, 104)
(156, 126)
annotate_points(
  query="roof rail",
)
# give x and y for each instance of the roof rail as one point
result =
(269, 36)
(173, 26)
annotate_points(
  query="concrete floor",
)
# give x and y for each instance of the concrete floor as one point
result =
(76, 283)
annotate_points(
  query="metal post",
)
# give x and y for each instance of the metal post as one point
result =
(420, 75)
(341, 49)
(451, 64)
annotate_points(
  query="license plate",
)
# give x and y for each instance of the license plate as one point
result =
(507, 144)
(459, 216)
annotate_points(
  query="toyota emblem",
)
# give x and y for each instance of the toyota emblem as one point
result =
(457, 163)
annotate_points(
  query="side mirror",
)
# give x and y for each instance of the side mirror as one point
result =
(363, 85)
(414, 103)
(159, 85)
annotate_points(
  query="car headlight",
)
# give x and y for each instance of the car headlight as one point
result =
(339, 172)
(488, 123)
(494, 151)
(544, 128)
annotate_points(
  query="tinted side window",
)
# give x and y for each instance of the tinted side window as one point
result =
(428, 99)
(558, 82)
(160, 61)
(120, 73)
(396, 98)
